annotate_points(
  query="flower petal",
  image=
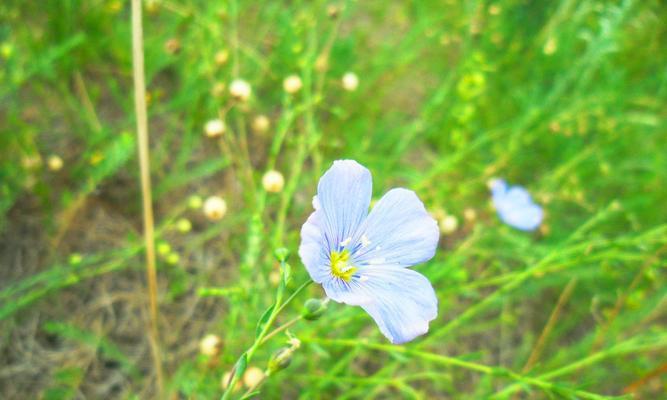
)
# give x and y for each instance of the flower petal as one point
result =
(398, 231)
(498, 187)
(344, 195)
(401, 301)
(517, 209)
(517, 196)
(313, 250)
(526, 218)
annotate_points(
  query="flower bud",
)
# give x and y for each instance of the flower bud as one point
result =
(210, 345)
(173, 258)
(55, 163)
(252, 377)
(448, 224)
(163, 248)
(215, 208)
(281, 253)
(240, 90)
(75, 258)
(470, 214)
(184, 225)
(313, 309)
(261, 124)
(214, 128)
(195, 202)
(280, 360)
(292, 84)
(273, 181)
(350, 81)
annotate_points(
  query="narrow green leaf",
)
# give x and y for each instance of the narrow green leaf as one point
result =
(241, 365)
(251, 394)
(262, 321)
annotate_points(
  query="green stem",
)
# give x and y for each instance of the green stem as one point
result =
(454, 362)
(518, 279)
(626, 347)
(279, 305)
(296, 292)
(282, 328)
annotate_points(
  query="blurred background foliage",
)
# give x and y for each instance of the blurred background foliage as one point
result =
(568, 98)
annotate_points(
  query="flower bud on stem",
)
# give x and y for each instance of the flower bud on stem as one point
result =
(313, 309)
(266, 322)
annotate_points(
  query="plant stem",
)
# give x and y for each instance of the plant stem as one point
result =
(264, 335)
(296, 292)
(626, 347)
(600, 335)
(144, 164)
(553, 318)
(282, 328)
(454, 362)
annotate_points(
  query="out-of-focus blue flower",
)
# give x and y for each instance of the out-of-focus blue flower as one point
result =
(515, 207)
(362, 258)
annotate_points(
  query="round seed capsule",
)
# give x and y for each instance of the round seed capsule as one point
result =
(240, 89)
(292, 84)
(214, 128)
(261, 124)
(55, 163)
(273, 181)
(210, 345)
(448, 224)
(215, 208)
(350, 81)
(252, 377)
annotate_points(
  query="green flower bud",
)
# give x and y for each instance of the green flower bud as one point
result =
(195, 202)
(163, 248)
(184, 225)
(281, 359)
(173, 258)
(282, 254)
(75, 258)
(313, 309)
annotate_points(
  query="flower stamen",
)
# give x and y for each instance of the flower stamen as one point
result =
(340, 265)
(365, 242)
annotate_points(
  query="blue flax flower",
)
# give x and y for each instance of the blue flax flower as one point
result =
(515, 207)
(362, 258)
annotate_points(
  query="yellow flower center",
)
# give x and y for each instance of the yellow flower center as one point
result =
(340, 265)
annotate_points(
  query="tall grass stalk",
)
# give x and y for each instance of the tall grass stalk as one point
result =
(144, 165)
